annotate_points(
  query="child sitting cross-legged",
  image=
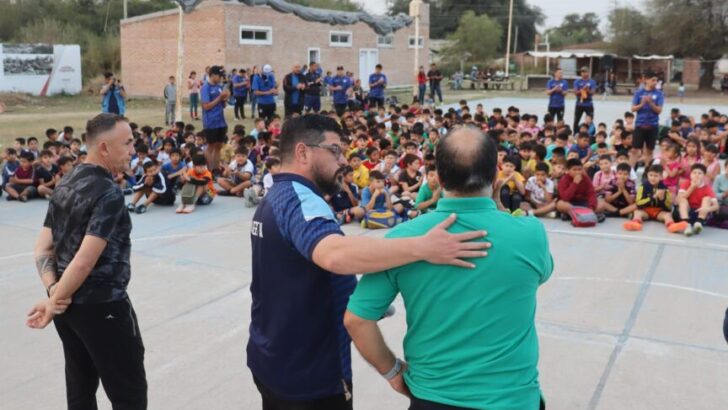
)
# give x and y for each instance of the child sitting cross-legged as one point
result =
(153, 185)
(576, 189)
(540, 193)
(620, 193)
(238, 175)
(346, 202)
(511, 186)
(654, 201)
(199, 189)
(696, 200)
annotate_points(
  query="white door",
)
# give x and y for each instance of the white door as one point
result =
(368, 60)
(314, 54)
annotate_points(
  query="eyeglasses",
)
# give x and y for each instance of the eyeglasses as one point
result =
(332, 148)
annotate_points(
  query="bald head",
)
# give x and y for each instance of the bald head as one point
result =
(467, 161)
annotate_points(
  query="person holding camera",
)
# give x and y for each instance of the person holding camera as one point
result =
(113, 96)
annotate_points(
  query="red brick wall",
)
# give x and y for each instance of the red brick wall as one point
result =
(149, 45)
(691, 71)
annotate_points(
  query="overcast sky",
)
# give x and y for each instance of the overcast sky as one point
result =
(555, 10)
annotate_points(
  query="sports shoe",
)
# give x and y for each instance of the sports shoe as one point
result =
(565, 217)
(677, 227)
(601, 217)
(688, 231)
(551, 215)
(697, 228)
(128, 191)
(251, 199)
(632, 226)
(141, 209)
(130, 207)
(24, 198)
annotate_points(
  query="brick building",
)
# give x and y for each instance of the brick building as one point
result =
(236, 35)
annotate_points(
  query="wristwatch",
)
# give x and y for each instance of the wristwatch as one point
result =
(396, 370)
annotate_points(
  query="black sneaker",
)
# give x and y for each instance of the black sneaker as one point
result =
(565, 217)
(601, 217)
(23, 198)
(141, 209)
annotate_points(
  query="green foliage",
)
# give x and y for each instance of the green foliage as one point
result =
(93, 24)
(445, 16)
(630, 32)
(343, 5)
(479, 36)
(575, 29)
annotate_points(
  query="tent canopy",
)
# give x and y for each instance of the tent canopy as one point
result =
(567, 54)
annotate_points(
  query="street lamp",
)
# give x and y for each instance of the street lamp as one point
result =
(415, 7)
(508, 41)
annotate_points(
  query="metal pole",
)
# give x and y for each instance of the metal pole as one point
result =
(515, 42)
(548, 59)
(180, 63)
(508, 41)
(125, 9)
(415, 12)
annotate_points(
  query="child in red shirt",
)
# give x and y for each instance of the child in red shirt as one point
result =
(576, 189)
(696, 200)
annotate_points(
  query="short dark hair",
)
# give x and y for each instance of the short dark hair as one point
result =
(99, 124)
(270, 162)
(198, 160)
(466, 170)
(430, 168)
(307, 129)
(543, 167)
(20, 140)
(149, 165)
(700, 167)
(50, 131)
(64, 160)
(31, 139)
(27, 155)
(242, 150)
(409, 159)
(142, 148)
(540, 151)
(657, 168)
(376, 175)
(625, 167)
(574, 162)
(45, 153)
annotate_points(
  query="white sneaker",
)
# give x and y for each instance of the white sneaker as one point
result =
(697, 228)
(688, 231)
(551, 215)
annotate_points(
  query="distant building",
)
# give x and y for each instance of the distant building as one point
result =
(236, 35)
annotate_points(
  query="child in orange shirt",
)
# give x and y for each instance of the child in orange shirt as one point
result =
(199, 188)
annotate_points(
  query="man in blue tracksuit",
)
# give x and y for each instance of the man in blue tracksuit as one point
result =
(584, 89)
(377, 84)
(557, 89)
(341, 87)
(314, 82)
(294, 84)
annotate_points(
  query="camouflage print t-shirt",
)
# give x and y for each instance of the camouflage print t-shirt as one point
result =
(87, 202)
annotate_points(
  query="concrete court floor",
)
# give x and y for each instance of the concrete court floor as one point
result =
(627, 321)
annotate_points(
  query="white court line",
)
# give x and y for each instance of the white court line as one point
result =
(641, 282)
(146, 238)
(622, 236)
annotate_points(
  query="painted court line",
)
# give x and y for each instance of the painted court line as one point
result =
(642, 282)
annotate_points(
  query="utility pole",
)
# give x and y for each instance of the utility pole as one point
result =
(415, 7)
(125, 9)
(508, 41)
(180, 63)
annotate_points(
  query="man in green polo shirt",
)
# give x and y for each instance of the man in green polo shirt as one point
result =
(471, 337)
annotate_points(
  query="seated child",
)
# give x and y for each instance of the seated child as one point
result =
(45, 175)
(540, 193)
(720, 187)
(510, 187)
(361, 173)
(696, 200)
(20, 184)
(346, 202)
(430, 192)
(654, 201)
(409, 178)
(273, 166)
(199, 188)
(619, 194)
(238, 175)
(375, 197)
(175, 170)
(153, 185)
(604, 176)
(576, 189)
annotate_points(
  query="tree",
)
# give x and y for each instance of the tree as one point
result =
(480, 36)
(625, 25)
(445, 16)
(692, 28)
(576, 29)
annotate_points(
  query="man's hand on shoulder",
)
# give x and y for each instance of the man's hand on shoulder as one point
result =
(441, 247)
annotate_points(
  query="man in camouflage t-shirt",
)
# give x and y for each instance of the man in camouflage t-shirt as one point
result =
(83, 259)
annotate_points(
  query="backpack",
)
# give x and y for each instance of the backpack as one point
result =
(582, 217)
(720, 219)
(379, 220)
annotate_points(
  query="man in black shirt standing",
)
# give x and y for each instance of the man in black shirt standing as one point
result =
(314, 81)
(82, 255)
(435, 77)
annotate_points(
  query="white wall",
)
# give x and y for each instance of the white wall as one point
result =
(40, 69)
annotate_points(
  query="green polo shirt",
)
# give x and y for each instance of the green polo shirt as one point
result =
(471, 338)
(423, 195)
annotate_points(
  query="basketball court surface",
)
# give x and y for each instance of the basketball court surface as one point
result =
(627, 321)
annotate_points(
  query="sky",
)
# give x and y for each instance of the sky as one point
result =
(555, 10)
